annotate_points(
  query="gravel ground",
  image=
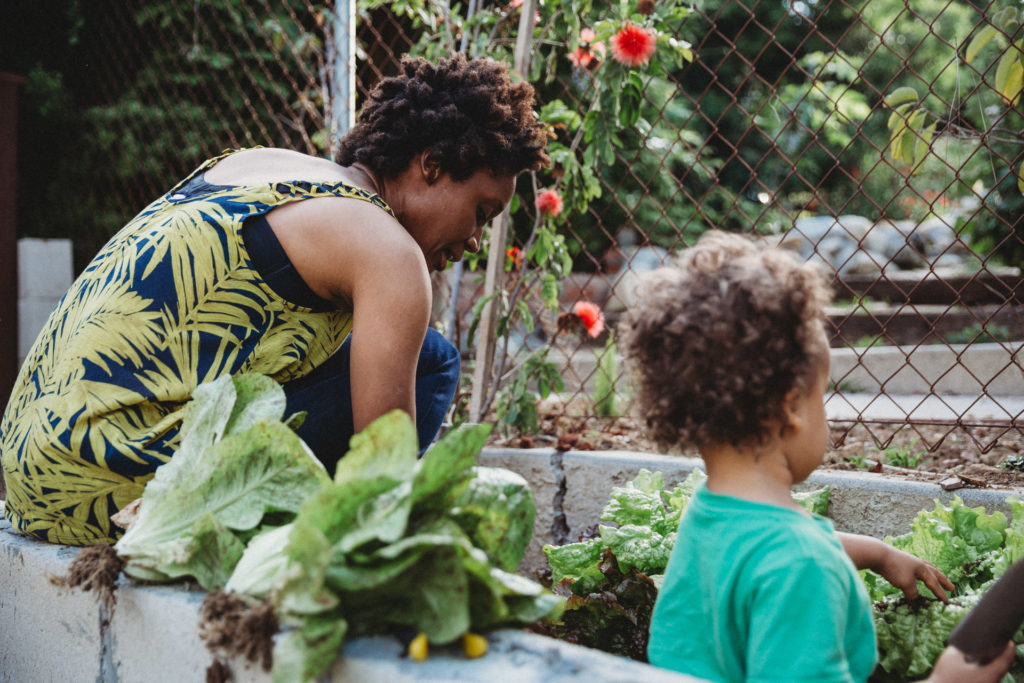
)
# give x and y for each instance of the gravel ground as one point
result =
(955, 457)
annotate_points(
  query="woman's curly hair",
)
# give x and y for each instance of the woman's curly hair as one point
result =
(716, 341)
(467, 111)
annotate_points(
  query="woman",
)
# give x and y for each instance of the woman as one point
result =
(264, 261)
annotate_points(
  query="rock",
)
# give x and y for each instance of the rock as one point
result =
(638, 262)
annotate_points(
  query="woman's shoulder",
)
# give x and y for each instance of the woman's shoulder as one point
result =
(263, 165)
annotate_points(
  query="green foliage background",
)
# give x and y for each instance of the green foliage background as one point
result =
(123, 97)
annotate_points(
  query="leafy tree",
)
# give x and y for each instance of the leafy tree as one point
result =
(124, 98)
(980, 105)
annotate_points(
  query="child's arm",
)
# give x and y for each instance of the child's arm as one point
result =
(953, 667)
(897, 567)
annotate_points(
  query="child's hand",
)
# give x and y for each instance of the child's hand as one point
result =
(897, 567)
(903, 570)
(953, 667)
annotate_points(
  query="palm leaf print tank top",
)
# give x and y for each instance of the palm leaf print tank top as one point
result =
(170, 302)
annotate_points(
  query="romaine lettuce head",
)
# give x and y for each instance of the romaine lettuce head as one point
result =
(181, 522)
(496, 510)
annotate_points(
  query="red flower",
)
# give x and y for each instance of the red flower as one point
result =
(586, 55)
(633, 46)
(549, 202)
(514, 256)
(591, 316)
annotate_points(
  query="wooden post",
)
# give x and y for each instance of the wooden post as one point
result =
(493, 281)
(8, 235)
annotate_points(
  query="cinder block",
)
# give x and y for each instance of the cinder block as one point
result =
(994, 369)
(154, 634)
(46, 634)
(32, 316)
(591, 476)
(45, 268)
(866, 503)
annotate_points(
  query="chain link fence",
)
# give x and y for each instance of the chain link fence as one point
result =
(787, 124)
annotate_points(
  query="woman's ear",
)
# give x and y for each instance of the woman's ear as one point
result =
(430, 166)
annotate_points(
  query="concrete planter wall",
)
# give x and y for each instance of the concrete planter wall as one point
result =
(571, 489)
(52, 635)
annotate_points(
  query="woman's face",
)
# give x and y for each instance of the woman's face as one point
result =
(447, 217)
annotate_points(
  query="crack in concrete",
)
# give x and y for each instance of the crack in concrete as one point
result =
(559, 523)
(108, 668)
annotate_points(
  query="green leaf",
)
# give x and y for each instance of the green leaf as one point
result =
(901, 95)
(445, 467)
(573, 559)
(639, 546)
(497, 511)
(815, 501)
(1009, 77)
(898, 116)
(638, 502)
(304, 653)
(911, 637)
(432, 596)
(266, 467)
(262, 566)
(922, 146)
(257, 398)
(979, 41)
(387, 447)
(357, 571)
(1020, 179)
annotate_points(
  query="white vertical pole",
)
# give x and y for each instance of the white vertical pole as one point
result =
(486, 342)
(343, 71)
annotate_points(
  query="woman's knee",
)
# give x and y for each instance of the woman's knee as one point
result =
(439, 357)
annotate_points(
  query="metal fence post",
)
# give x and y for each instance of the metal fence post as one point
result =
(482, 378)
(343, 71)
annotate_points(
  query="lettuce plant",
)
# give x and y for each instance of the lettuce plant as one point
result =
(971, 547)
(392, 540)
(611, 579)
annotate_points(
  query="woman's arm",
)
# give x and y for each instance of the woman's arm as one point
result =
(897, 567)
(355, 254)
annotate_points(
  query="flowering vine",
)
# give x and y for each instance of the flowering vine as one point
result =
(613, 51)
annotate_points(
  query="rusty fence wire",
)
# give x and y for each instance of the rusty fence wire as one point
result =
(788, 124)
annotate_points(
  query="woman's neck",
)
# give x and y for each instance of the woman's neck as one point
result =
(371, 181)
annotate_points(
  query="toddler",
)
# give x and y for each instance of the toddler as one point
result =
(729, 354)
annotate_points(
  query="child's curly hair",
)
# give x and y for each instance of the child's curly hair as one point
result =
(467, 111)
(716, 341)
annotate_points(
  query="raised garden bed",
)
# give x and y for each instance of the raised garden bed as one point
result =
(152, 633)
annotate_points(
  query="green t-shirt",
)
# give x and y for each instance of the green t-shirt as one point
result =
(756, 592)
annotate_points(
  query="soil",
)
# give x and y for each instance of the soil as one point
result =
(976, 457)
(230, 627)
(95, 568)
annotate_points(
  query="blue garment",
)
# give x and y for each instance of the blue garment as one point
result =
(757, 592)
(174, 300)
(325, 392)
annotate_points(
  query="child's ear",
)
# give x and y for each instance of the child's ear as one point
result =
(791, 413)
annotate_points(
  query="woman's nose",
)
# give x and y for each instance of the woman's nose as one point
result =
(473, 244)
